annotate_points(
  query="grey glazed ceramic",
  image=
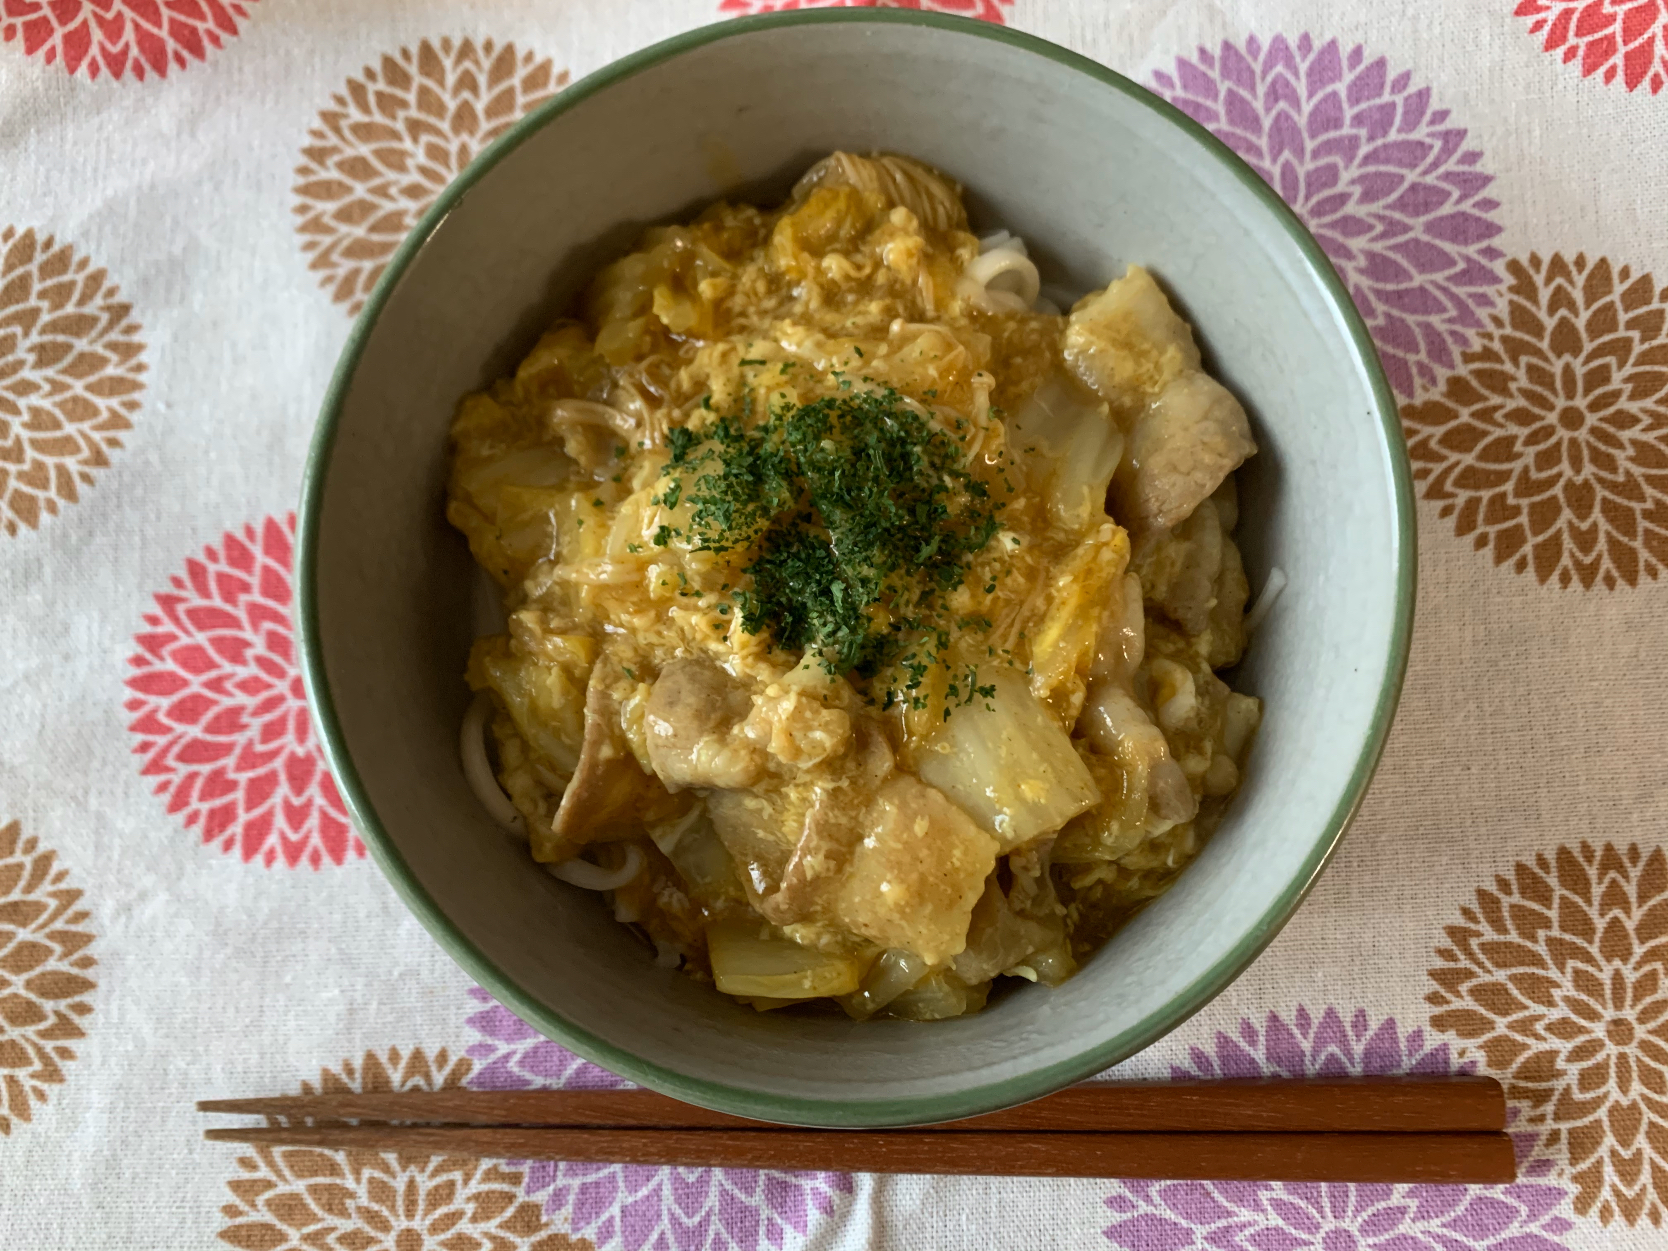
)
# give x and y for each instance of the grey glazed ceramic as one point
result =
(1094, 173)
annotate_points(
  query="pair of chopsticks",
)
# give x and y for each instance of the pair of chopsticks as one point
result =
(1434, 1130)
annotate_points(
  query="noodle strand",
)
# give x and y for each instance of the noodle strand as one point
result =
(477, 769)
(1265, 601)
(588, 876)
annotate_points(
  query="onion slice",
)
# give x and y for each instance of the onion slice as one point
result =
(590, 413)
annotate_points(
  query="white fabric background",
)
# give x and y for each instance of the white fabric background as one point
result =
(1531, 716)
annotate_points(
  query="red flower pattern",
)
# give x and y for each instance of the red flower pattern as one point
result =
(985, 10)
(220, 713)
(1626, 37)
(115, 36)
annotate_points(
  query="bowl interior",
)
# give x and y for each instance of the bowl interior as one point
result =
(1093, 174)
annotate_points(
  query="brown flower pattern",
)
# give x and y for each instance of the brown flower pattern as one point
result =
(1557, 977)
(44, 962)
(303, 1199)
(71, 370)
(1550, 445)
(390, 142)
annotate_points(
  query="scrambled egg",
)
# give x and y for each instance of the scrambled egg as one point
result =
(867, 602)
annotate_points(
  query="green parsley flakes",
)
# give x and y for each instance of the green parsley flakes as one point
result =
(858, 516)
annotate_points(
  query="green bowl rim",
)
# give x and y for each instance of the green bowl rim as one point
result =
(787, 1108)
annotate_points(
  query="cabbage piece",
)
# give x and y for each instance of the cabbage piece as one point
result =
(525, 532)
(939, 996)
(700, 857)
(544, 694)
(999, 938)
(1009, 764)
(760, 828)
(538, 466)
(502, 492)
(829, 219)
(750, 961)
(500, 443)
(1065, 629)
(562, 363)
(543, 523)
(1070, 447)
(621, 299)
(633, 529)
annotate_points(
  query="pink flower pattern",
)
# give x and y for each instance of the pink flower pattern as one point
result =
(219, 712)
(1383, 179)
(985, 10)
(116, 36)
(1610, 37)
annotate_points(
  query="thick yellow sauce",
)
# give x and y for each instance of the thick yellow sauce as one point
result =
(1020, 771)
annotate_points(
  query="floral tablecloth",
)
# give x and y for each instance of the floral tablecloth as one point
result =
(195, 197)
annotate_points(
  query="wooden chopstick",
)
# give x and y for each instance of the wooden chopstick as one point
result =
(1434, 1130)
(1305, 1157)
(1381, 1105)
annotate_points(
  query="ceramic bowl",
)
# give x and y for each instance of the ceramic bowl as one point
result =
(1093, 172)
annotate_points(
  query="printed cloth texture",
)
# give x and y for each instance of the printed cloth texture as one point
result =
(198, 195)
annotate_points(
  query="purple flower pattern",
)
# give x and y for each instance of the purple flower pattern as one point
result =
(1383, 180)
(640, 1208)
(1272, 1216)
